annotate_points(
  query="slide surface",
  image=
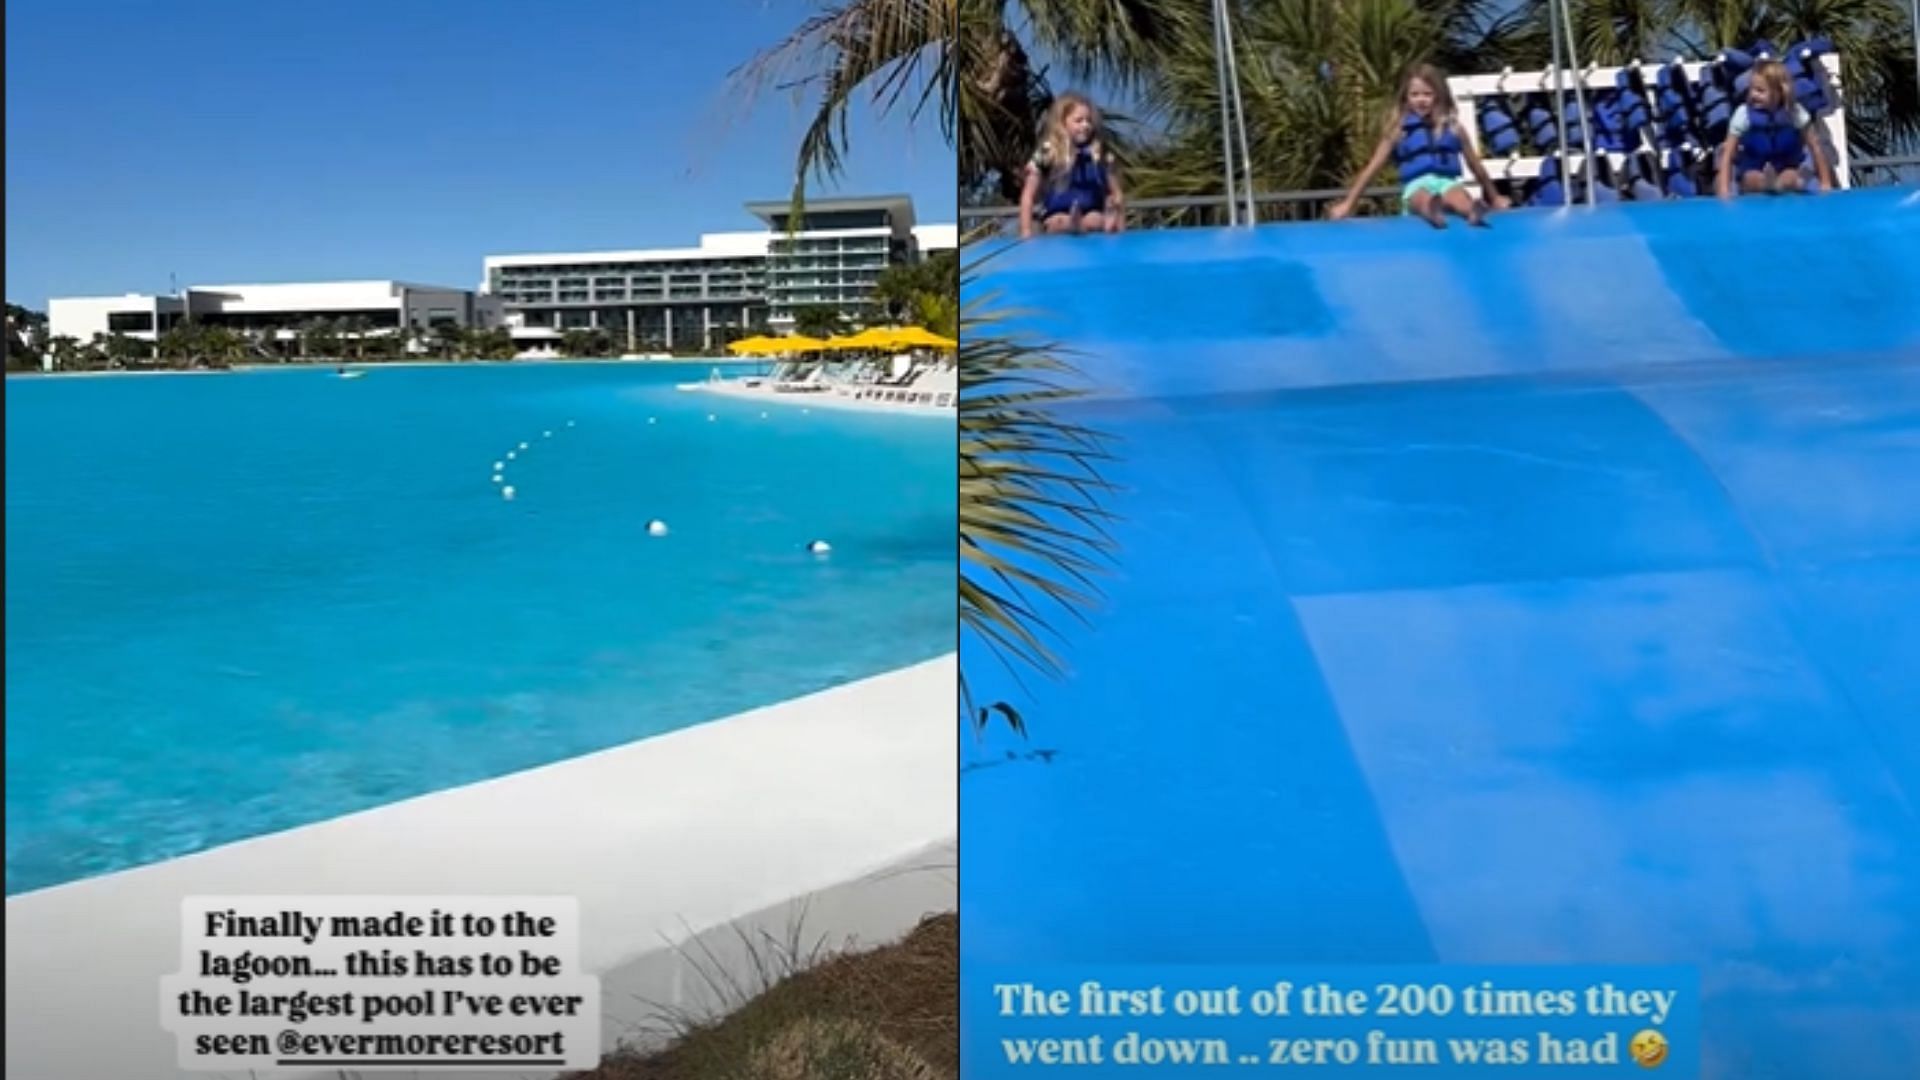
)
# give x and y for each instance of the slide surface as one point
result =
(1547, 593)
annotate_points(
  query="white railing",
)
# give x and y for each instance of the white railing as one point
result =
(1470, 90)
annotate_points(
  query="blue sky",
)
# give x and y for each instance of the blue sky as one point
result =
(271, 140)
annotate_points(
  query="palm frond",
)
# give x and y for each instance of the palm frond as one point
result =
(893, 51)
(1033, 524)
(1119, 42)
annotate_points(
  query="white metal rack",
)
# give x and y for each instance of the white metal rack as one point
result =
(1469, 89)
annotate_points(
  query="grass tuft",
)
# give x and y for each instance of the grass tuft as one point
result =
(889, 1013)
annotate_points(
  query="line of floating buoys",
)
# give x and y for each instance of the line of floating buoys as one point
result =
(655, 527)
(500, 466)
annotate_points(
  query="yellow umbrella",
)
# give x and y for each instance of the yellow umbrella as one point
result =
(774, 346)
(872, 338)
(797, 343)
(757, 345)
(920, 335)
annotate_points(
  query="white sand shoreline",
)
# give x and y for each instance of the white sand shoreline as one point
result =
(766, 817)
(34, 375)
(825, 399)
(320, 365)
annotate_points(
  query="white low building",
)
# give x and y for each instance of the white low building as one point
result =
(367, 305)
(936, 238)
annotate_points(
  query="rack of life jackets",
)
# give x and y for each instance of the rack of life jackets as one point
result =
(1655, 130)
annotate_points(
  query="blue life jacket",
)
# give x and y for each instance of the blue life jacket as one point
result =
(1085, 189)
(1422, 153)
(1771, 139)
(1502, 137)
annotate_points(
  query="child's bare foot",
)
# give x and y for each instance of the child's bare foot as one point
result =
(1434, 217)
(1477, 215)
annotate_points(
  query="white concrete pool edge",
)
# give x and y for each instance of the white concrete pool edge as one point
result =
(837, 810)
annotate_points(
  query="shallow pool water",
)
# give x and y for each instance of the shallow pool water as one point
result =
(244, 602)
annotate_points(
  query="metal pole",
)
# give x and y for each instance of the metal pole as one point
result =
(1579, 98)
(1560, 107)
(1913, 13)
(1226, 112)
(1239, 110)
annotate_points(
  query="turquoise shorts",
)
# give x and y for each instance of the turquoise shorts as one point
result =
(1435, 186)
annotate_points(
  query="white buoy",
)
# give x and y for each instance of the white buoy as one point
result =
(546, 434)
(523, 446)
(498, 479)
(569, 423)
(820, 547)
(806, 412)
(653, 419)
(498, 465)
(656, 527)
(763, 416)
(507, 492)
(710, 418)
(511, 454)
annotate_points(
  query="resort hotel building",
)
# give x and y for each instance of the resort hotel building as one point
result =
(731, 285)
(671, 299)
(363, 306)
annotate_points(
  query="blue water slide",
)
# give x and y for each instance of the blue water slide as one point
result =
(1547, 593)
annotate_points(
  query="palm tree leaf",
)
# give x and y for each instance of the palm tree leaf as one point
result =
(1030, 489)
(887, 49)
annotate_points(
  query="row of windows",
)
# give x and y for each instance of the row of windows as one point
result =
(645, 320)
(781, 249)
(648, 280)
(781, 303)
(835, 219)
(778, 246)
(591, 269)
(822, 255)
(638, 296)
(782, 266)
(863, 285)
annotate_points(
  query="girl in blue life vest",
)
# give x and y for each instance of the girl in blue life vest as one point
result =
(1072, 177)
(1423, 137)
(1769, 136)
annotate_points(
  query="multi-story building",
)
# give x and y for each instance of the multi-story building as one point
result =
(833, 256)
(372, 305)
(731, 285)
(651, 299)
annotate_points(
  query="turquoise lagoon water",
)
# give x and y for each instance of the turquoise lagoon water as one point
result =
(245, 602)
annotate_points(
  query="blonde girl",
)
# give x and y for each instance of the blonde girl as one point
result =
(1422, 135)
(1071, 176)
(1768, 136)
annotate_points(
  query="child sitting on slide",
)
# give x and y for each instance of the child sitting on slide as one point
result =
(1079, 179)
(1423, 136)
(1768, 136)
